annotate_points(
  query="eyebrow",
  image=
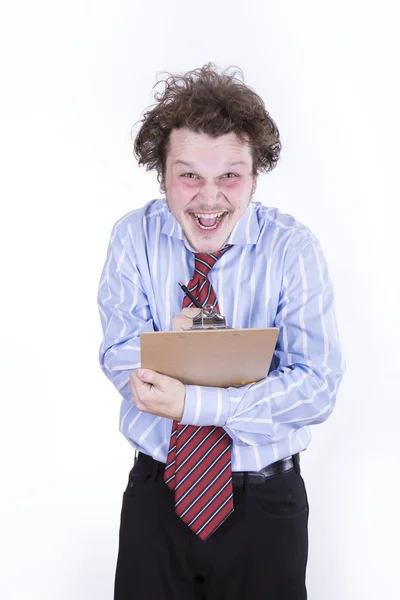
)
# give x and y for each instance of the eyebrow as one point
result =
(192, 165)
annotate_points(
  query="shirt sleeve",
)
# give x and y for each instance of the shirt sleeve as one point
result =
(124, 312)
(302, 389)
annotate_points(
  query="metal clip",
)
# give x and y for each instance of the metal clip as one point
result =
(209, 318)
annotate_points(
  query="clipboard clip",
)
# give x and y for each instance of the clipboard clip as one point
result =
(209, 318)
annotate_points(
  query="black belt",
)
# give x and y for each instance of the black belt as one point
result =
(254, 477)
(258, 477)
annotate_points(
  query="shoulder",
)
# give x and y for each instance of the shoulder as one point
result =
(283, 227)
(136, 221)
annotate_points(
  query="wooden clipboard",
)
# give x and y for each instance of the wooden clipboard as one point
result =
(210, 357)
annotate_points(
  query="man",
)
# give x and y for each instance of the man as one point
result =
(215, 505)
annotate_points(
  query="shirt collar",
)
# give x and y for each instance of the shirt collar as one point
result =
(246, 230)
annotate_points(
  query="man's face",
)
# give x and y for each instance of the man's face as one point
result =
(208, 184)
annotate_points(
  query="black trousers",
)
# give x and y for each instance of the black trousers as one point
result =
(259, 552)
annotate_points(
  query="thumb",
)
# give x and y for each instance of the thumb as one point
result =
(148, 376)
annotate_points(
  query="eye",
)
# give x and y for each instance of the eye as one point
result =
(227, 175)
(188, 175)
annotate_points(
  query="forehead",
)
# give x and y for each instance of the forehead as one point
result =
(191, 146)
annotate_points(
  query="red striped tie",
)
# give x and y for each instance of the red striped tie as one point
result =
(198, 465)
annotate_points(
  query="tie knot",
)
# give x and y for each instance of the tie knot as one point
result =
(203, 263)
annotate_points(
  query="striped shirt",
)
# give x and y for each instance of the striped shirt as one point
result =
(275, 275)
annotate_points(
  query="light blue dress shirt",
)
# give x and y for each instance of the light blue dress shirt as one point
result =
(275, 275)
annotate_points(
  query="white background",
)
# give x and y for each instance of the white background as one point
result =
(75, 76)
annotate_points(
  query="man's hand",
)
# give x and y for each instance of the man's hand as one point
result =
(185, 319)
(158, 394)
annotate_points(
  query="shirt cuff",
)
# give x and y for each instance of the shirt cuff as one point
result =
(206, 406)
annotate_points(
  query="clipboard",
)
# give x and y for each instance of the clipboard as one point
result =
(214, 355)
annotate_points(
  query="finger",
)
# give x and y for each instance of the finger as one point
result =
(191, 312)
(181, 323)
(148, 376)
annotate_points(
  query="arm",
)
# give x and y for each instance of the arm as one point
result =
(302, 389)
(124, 313)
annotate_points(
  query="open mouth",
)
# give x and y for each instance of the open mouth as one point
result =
(209, 221)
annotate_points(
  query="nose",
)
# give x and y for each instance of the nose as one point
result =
(210, 194)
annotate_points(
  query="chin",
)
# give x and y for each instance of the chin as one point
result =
(208, 245)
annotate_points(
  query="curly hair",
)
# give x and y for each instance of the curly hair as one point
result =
(206, 101)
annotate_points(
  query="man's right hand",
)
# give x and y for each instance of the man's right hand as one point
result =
(185, 319)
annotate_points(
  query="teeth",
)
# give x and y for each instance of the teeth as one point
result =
(208, 216)
(217, 216)
(204, 227)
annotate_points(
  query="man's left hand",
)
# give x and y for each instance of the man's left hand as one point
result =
(158, 394)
